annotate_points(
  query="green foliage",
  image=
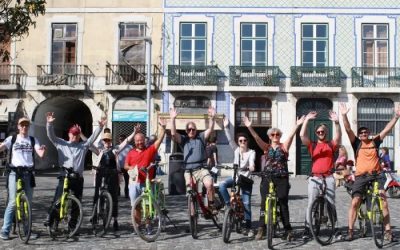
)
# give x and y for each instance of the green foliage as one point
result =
(18, 16)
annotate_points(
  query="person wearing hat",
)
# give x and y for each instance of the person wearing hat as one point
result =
(71, 154)
(22, 150)
(109, 165)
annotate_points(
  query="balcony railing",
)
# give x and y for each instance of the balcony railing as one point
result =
(315, 76)
(254, 75)
(136, 74)
(63, 74)
(380, 77)
(195, 75)
(11, 74)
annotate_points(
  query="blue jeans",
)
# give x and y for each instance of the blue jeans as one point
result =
(246, 198)
(12, 190)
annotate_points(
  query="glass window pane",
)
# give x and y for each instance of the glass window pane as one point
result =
(368, 31)
(381, 46)
(70, 53)
(321, 46)
(307, 57)
(247, 45)
(321, 57)
(307, 64)
(200, 30)
(186, 56)
(308, 45)
(307, 30)
(200, 56)
(260, 57)
(70, 30)
(261, 30)
(381, 31)
(247, 30)
(322, 30)
(200, 45)
(186, 44)
(261, 45)
(186, 29)
(247, 57)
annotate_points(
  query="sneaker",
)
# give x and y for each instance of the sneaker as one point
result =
(115, 225)
(4, 236)
(306, 234)
(350, 235)
(213, 209)
(389, 236)
(149, 230)
(288, 235)
(250, 233)
(260, 233)
(34, 236)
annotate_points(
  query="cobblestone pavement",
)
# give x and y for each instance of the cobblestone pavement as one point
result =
(179, 238)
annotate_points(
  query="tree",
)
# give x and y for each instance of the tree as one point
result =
(16, 17)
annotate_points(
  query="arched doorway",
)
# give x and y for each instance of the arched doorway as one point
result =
(68, 111)
(305, 105)
(258, 109)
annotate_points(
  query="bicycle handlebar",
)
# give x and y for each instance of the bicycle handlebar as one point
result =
(271, 173)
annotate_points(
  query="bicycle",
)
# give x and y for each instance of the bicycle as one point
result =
(322, 215)
(103, 208)
(234, 215)
(149, 212)
(23, 207)
(272, 213)
(195, 200)
(66, 214)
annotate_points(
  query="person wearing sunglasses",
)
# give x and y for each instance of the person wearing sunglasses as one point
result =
(276, 158)
(322, 156)
(193, 146)
(245, 158)
(366, 154)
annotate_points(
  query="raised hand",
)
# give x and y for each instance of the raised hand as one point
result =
(343, 108)
(246, 121)
(50, 117)
(226, 122)
(333, 116)
(311, 115)
(397, 111)
(211, 112)
(173, 113)
(300, 120)
(137, 128)
(102, 121)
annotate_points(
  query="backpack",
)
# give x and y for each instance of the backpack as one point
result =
(13, 139)
(359, 147)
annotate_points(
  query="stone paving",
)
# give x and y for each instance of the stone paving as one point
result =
(179, 238)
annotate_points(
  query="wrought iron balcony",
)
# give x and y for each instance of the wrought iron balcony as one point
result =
(195, 75)
(63, 74)
(11, 74)
(254, 75)
(136, 74)
(315, 76)
(379, 77)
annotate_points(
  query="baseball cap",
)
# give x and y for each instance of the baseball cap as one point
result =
(24, 120)
(107, 136)
(75, 130)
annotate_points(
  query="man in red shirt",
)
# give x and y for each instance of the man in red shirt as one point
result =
(322, 154)
(140, 157)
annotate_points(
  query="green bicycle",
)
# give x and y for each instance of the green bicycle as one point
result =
(66, 214)
(23, 208)
(148, 212)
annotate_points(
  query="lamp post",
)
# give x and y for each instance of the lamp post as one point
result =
(148, 93)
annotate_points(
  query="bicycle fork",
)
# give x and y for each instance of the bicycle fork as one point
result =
(18, 200)
(63, 208)
(273, 204)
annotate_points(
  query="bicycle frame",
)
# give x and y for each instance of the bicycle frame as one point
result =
(20, 191)
(194, 192)
(151, 193)
(63, 209)
(271, 197)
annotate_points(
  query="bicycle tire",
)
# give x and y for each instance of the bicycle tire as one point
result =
(362, 218)
(65, 227)
(146, 225)
(161, 204)
(321, 214)
(102, 213)
(24, 225)
(192, 216)
(269, 223)
(228, 224)
(376, 222)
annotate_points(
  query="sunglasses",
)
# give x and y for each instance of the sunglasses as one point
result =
(365, 132)
(24, 125)
(321, 132)
(275, 134)
(244, 140)
(191, 129)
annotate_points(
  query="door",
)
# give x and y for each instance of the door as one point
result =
(305, 105)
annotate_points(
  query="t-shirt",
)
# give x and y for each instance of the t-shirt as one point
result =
(144, 158)
(245, 160)
(322, 157)
(21, 151)
(194, 151)
(367, 159)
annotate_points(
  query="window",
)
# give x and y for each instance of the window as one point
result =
(192, 104)
(132, 46)
(254, 44)
(374, 114)
(375, 43)
(258, 110)
(63, 53)
(314, 45)
(193, 43)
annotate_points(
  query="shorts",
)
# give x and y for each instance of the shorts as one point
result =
(135, 190)
(198, 174)
(360, 183)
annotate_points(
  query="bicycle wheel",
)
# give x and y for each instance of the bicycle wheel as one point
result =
(376, 221)
(228, 224)
(362, 218)
(102, 213)
(269, 223)
(23, 218)
(322, 224)
(147, 218)
(192, 215)
(69, 224)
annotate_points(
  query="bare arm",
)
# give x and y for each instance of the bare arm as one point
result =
(261, 144)
(162, 125)
(344, 110)
(176, 137)
(50, 129)
(128, 139)
(3, 147)
(335, 118)
(289, 140)
(228, 135)
(303, 132)
(391, 124)
(211, 123)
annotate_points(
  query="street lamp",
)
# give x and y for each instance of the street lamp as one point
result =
(148, 93)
